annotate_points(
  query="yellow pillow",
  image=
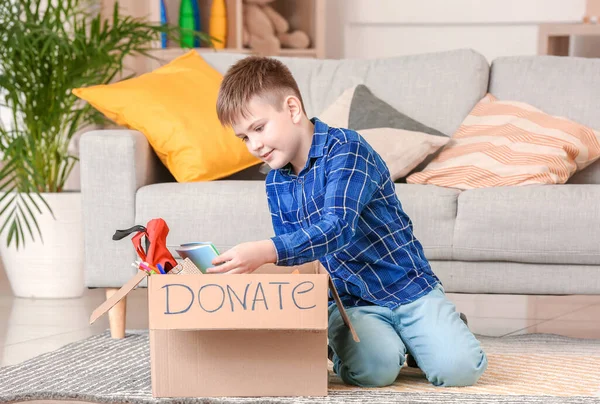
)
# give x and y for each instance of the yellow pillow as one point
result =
(175, 108)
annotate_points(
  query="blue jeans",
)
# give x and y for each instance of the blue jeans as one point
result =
(429, 328)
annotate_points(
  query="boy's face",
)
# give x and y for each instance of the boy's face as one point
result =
(269, 134)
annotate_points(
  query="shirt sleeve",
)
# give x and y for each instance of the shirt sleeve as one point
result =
(352, 180)
(278, 227)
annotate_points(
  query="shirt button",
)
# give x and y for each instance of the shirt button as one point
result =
(300, 181)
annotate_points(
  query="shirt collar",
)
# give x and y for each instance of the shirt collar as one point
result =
(317, 147)
(319, 138)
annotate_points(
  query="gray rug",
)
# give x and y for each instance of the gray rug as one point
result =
(100, 369)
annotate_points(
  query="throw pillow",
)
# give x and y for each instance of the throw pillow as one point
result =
(175, 108)
(502, 143)
(402, 142)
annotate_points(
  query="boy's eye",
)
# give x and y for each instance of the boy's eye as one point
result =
(243, 138)
(259, 129)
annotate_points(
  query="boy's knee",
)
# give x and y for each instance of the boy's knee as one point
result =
(374, 373)
(464, 371)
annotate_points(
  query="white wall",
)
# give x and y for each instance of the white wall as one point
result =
(382, 28)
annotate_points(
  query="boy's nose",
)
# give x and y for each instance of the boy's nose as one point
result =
(256, 145)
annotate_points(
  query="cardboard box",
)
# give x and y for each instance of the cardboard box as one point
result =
(259, 334)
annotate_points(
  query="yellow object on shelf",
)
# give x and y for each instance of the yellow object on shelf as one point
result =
(218, 23)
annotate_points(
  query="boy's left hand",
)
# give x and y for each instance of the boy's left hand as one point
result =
(244, 258)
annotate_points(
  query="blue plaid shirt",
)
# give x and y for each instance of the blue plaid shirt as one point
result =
(342, 209)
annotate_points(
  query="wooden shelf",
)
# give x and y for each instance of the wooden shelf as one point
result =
(554, 38)
(164, 56)
(306, 15)
(169, 53)
(313, 52)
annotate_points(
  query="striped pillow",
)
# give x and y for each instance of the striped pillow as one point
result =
(505, 143)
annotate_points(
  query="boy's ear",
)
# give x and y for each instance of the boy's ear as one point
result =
(294, 107)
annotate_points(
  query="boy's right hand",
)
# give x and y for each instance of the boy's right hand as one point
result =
(245, 258)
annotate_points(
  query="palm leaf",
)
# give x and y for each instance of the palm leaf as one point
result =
(20, 209)
(47, 48)
(11, 232)
(32, 216)
(20, 235)
(7, 205)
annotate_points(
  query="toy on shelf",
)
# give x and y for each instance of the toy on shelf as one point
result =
(189, 19)
(163, 21)
(218, 23)
(266, 31)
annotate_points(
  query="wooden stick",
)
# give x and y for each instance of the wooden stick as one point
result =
(117, 315)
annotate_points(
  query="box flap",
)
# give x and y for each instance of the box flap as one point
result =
(230, 302)
(120, 294)
(336, 298)
(340, 306)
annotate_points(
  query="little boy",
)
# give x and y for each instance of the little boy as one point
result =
(331, 198)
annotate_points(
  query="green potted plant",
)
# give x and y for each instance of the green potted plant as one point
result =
(47, 48)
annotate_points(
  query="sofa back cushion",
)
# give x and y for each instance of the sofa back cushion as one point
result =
(437, 89)
(559, 86)
(232, 212)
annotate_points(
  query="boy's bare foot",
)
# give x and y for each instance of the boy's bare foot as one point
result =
(410, 360)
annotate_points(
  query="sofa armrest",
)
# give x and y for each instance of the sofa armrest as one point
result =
(114, 165)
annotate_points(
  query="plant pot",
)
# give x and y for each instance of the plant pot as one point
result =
(54, 268)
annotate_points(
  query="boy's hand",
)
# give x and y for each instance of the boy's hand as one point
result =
(244, 258)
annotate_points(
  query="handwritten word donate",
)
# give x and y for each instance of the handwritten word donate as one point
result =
(213, 297)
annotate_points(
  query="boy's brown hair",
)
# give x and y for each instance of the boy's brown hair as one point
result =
(254, 76)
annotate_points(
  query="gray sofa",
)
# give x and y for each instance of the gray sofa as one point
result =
(522, 240)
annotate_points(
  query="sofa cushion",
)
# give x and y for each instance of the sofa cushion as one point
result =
(547, 224)
(224, 212)
(560, 86)
(516, 278)
(432, 210)
(232, 212)
(437, 89)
